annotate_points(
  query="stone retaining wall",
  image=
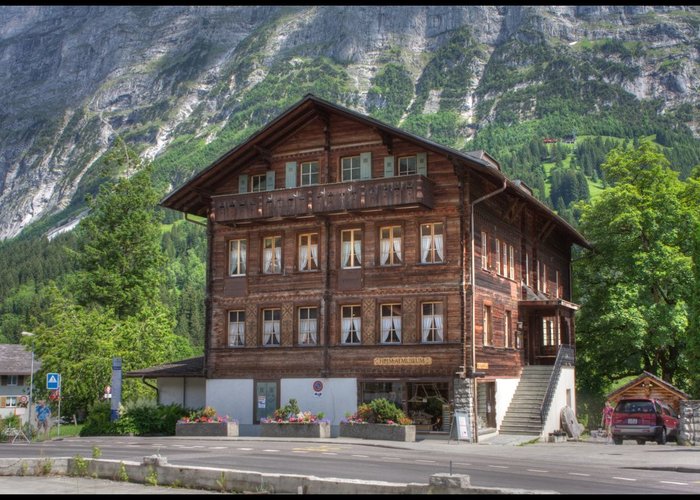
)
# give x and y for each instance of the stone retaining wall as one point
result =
(378, 431)
(155, 470)
(689, 423)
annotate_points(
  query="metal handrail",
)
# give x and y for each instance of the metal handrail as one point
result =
(565, 355)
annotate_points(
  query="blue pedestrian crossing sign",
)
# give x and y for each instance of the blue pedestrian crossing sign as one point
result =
(53, 381)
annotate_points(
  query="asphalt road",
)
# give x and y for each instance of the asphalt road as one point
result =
(569, 468)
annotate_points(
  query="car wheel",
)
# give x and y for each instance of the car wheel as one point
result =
(662, 436)
(617, 440)
(641, 441)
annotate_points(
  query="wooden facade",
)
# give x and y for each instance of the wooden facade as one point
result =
(327, 220)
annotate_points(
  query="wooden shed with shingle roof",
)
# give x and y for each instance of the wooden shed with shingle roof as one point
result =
(648, 385)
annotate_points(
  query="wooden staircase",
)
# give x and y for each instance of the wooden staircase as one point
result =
(523, 415)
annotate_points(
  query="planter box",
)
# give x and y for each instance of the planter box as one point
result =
(318, 430)
(201, 429)
(378, 431)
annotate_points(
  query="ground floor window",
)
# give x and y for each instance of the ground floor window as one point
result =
(425, 402)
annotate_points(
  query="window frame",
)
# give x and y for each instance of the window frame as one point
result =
(261, 183)
(276, 321)
(353, 256)
(384, 334)
(393, 254)
(352, 169)
(508, 329)
(274, 256)
(242, 260)
(344, 335)
(399, 171)
(310, 175)
(241, 335)
(487, 325)
(484, 251)
(432, 251)
(300, 330)
(438, 329)
(312, 264)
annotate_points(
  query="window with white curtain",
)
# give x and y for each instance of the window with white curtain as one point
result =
(237, 257)
(549, 333)
(488, 325)
(236, 328)
(432, 322)
(351, 248)
(308, 325)
(391, 323)
(504, 260)
(432, 243)
(390, 239)
(272, 255)
(308, 252)
(271, 327)
(484, 250)
(351, 325)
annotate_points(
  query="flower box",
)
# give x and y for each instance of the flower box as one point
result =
(202, 429)
(387, 432)
(296, 430)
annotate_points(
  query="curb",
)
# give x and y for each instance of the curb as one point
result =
(156, 471)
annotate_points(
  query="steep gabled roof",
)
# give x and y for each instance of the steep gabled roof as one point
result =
(640, 379)
(192, 197)
(15, 359)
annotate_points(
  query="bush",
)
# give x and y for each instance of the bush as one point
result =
(379, 411)
(141, 418)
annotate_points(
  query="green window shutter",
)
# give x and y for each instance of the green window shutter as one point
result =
(422, 163)
(388, 166)
(290, 179)
(270, 180)
(243, 183)
(366, 165)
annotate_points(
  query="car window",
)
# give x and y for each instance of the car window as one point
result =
(635, 407)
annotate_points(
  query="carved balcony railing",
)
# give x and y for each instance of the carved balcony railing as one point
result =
(381, 193)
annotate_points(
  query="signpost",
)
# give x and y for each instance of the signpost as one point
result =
(53, 383)
(461, 424)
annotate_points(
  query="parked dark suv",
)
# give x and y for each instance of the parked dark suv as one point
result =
(644, 420)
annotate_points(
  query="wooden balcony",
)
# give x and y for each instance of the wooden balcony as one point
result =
(392, 192)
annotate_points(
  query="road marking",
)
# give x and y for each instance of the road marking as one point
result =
(328, 453)
(537, 470)
(624, 478)
(461, 463)
(578, 474)
(272, 451)
(299, 451)
(674, 482)
(360, 456)
(244, 449)
(426, 461)
(498, 466)
(390, 458)
(217, 448)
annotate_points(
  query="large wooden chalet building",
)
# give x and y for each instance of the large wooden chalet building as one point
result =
(349, 260)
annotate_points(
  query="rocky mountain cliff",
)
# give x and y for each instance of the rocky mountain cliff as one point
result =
(184, 84)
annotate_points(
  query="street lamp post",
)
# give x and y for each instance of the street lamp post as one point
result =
(31, 378)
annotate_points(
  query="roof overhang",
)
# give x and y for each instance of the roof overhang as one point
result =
(191, 367)
(194, 196)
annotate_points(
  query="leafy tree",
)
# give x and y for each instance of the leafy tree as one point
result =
(635, 287)
(119, 245)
